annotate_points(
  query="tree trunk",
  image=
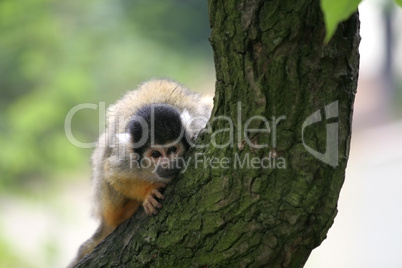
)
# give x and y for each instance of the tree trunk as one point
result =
(265, 206)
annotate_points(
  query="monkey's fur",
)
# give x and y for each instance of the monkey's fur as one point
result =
(121, 184)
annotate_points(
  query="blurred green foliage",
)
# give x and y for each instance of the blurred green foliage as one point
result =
(10, 259)
(55, 55)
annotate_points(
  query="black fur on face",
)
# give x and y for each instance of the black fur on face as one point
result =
(160, 123)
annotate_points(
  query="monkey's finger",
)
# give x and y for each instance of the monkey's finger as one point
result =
(149, 208)
(146, 208)
(154, 202)
(152, 209)
(157, 194)
(162, 185)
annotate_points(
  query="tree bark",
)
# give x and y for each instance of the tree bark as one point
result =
(271, 62)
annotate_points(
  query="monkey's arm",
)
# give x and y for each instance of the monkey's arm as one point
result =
(144, 192)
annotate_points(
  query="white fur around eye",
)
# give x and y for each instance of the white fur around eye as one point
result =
(186, 119)
(123, 138)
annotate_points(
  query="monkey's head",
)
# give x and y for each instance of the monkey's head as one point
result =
(159, 141)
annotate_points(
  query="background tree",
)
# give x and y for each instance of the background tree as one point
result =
(270, 57)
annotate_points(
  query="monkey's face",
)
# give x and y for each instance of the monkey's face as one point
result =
(165, 160)
(159, 141)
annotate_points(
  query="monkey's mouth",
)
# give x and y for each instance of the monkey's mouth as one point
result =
(167, 173)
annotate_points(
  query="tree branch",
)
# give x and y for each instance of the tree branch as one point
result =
(271, 62)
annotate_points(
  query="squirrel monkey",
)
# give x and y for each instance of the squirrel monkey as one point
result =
(147, 133)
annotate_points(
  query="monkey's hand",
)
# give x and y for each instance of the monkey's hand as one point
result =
(150, 203)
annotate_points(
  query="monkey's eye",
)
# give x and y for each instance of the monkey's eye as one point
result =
(171, 150)
(156, 154)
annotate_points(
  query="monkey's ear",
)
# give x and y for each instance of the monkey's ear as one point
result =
(123, 138)
(186, 119)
